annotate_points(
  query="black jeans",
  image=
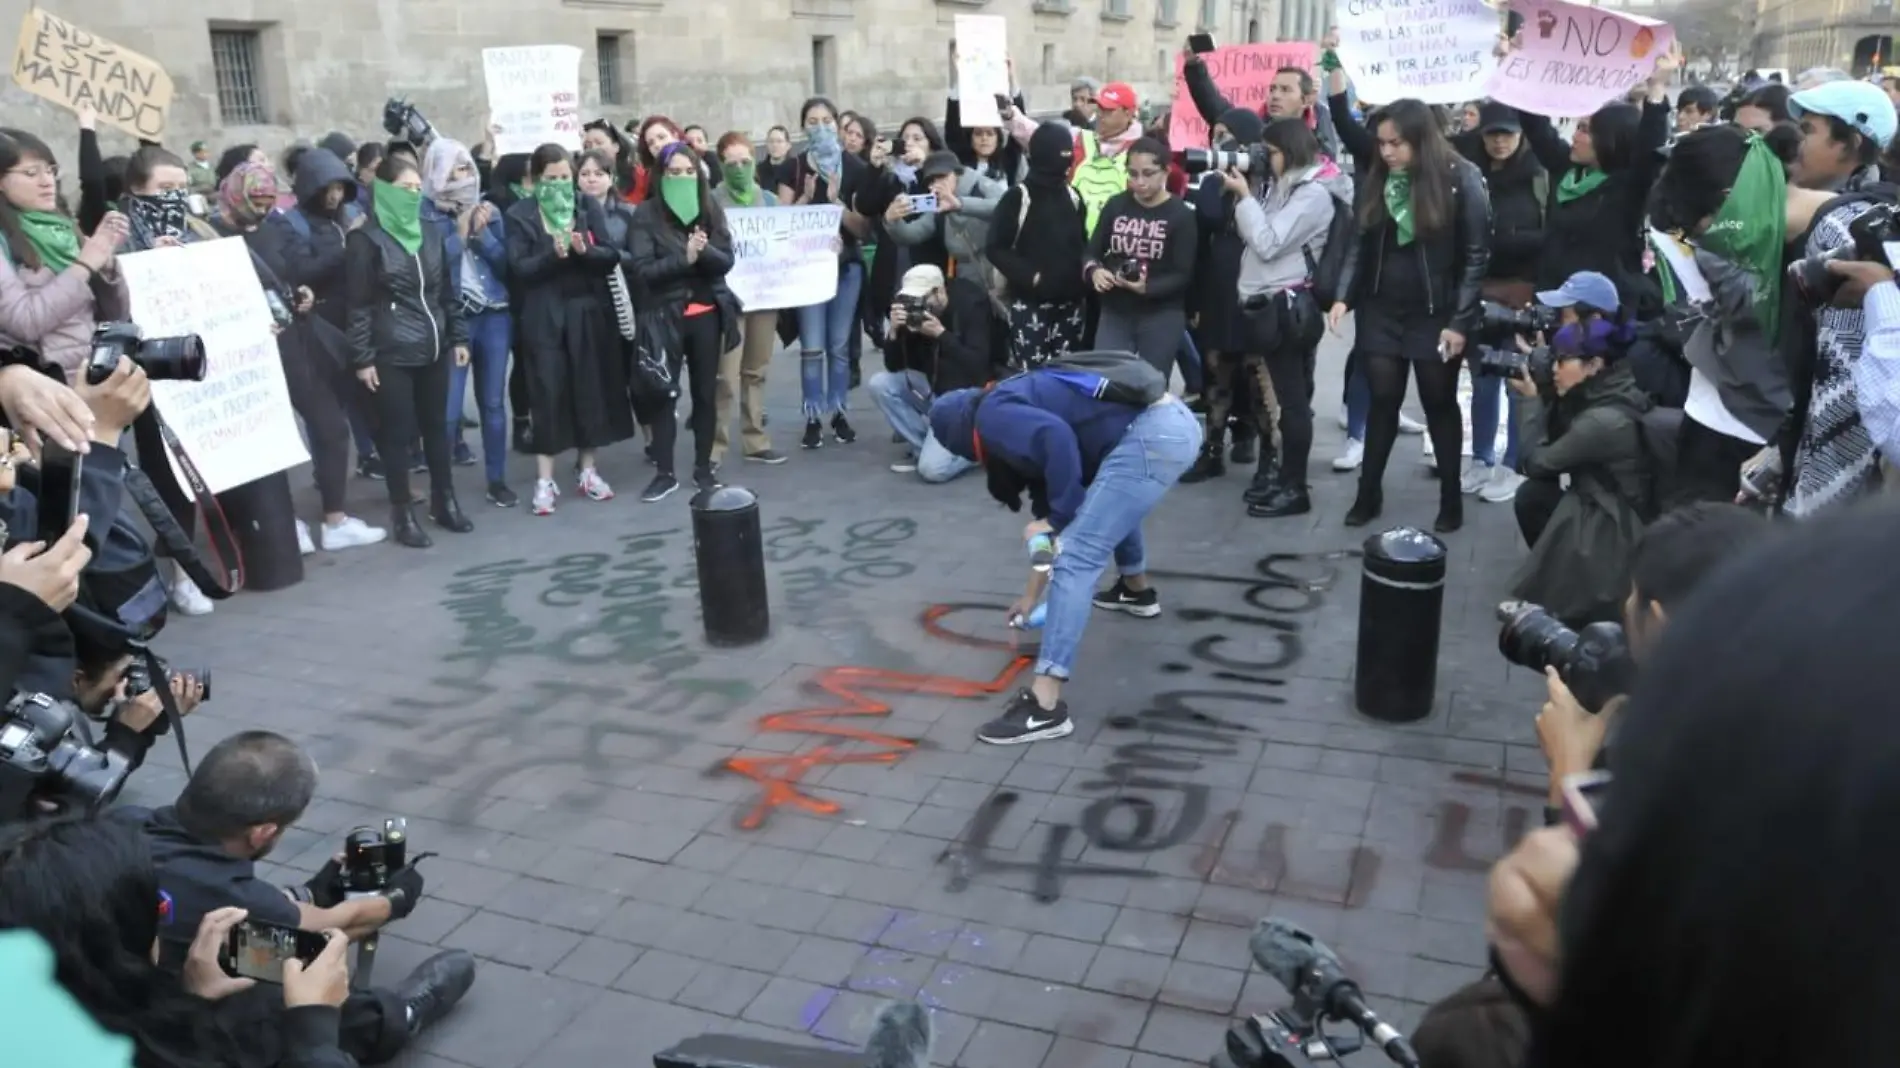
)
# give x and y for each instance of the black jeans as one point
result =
(1437, 393)
(318, 392)
(700, 345)
(412, 401)
(1535, 503)
(374, 1027)
(1290, 367)
(1708, 464)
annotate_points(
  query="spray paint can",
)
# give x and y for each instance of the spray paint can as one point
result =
(1034, 620)
(1042, 552)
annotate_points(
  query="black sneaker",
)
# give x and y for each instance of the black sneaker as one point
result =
(371, 467)
(768, 456)
(501, 496)
(463, 455)
(1119, 598)
(707, 478)
(814, 434)
(434, 988)
(841, 430)
(660, 488)
(1025, 720)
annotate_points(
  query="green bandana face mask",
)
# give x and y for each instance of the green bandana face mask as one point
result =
(556, 198)
(399, 213)
(1578, 182)
(741, 182)
(681, 194)
(1398, 204)
(1751, 230)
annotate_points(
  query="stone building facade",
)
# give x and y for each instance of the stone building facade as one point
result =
(270, 71)
(1854, 35)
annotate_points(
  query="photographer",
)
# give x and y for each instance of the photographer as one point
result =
(1589, 430)
(939, 341)
(242, 797)
(1140, 261)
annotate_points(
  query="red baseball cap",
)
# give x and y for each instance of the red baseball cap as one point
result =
(1117, 96)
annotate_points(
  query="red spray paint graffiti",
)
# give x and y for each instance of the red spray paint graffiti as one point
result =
(781, 778)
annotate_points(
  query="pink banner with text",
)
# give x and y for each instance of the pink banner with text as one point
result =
(1244, 74)
(1571, 59)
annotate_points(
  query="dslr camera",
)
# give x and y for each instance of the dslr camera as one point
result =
(141, 678)
(1867, 240)
(915, 308)
(1202, 160)
(1501, 325)
(1595, 662)
(45, 755)
(1122, 267)
(163, 359)
(371, 856)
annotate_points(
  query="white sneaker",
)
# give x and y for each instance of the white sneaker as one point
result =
(1350, 459)
(350, 533)
(1502, 488)
(1409, 425)
(304, 544)
(545, 491)
(189, 599)
(594, 486)
(1477, 476)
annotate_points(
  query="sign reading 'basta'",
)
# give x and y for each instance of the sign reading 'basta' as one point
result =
(56, 60)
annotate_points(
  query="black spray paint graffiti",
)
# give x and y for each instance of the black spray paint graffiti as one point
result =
(1128, 819)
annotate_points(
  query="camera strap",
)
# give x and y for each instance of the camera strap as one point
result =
(174, 542)
(174, 716)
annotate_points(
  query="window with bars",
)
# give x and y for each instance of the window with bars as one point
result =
(607, 66)
(236, 67)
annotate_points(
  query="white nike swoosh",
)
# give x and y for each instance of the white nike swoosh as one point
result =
(1035, 724)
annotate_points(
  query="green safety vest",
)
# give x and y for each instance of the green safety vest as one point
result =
(1097, 178)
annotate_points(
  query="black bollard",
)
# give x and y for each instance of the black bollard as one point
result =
(264, 521)
(729, 553)
(1401, 609)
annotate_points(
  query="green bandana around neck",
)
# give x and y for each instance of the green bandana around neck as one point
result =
(555, 196)
(1398, 204)
(53, 236)
(681, 194)
(520, 191)
(399, 213)
(1751, 229)
(1579, 182)
(741, 183)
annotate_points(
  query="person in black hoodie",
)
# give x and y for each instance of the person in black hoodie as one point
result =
(938, 342)
(1141, 259)
(1412, 279)
(405, 324)
(1038, 234)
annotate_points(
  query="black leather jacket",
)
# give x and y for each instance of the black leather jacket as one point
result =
(403, 309)
(1454, 262)
(658, 261)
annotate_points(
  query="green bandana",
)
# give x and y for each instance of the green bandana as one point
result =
(681, 194)
(399, 213)
(1751, 230)
(556, 198)
(741, 183)
(53, 236)
(1398, 204)
(1579, 182)
(520, 191)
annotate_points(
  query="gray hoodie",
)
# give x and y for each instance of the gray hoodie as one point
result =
(1286, 226)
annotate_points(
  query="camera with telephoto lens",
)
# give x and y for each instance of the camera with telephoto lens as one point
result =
(141, 678)
(1867, 239)
(44, 756)
(1202, 160)
(1501, 324)
(163, 359)
(371, 856)
(1594, 662)
(915, 308)
(1506, 361)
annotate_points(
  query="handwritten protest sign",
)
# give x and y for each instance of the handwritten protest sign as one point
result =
(1438, 51)
(56, 60)
(784, 257)
(237, 424)
(1243, 73)
(1573, 59)
(534, 96)
(982, 67)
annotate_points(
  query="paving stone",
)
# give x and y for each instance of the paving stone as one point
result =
(722, 990)
(658, 974)
(1059, 960)
(997, 1045)
(1075, 1053)
(597, 961)
(502, 938)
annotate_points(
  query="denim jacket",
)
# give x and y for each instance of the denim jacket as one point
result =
(490, 248)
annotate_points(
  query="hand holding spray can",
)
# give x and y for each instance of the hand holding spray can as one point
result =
(1042, 551)
(1033, 621)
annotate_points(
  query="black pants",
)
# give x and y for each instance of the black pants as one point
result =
(412, 401)
(374, 1026)
(518, 402)
(1290, 367)
(1535, 503)
(700, 346)
(1437, 393)
(318, 392)
(1708, 464)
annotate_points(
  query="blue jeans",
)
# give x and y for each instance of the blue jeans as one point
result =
(1486, 395)
(904, 398)
(1358, 399)
(1155, 450)
(824, 341)
(489, 334)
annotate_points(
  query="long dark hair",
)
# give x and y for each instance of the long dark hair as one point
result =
(1697, 177)
(89, 888)
(17, 147)
(1433, 208)
(233, 158)
(1297, 145)
(711, 218)
(1616, 134)
(547, 156)
(932, 136)
(647, 159)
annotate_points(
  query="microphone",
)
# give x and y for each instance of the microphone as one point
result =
(900, 1037)
(1309, 970)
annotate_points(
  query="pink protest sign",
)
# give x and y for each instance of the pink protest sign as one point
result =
(1243, 73)
(1571, 59)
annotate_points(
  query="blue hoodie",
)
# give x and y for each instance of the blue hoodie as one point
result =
(1046, 425)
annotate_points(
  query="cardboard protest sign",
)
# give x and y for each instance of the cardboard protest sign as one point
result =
(1243, 73)
(56, 60)
(1438, 51)
(982, 67)
(1572, 59)
(785, 257)
(534, 96)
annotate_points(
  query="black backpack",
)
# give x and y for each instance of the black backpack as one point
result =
(1326, 271)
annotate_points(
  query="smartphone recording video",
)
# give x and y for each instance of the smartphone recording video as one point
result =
(924, 204)
(1200, 43)
(257, 949)
(58, 496)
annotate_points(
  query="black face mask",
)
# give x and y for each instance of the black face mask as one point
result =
(159, 215)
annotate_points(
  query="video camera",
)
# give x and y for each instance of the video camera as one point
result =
(1202, 160)
(163, 359)
(1867, 239)
(46, 756)
(401, 119)
(1595, 662)
(371, 856)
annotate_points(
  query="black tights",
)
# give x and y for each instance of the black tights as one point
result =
(1437, 392)
(700, 343)
(413, 401)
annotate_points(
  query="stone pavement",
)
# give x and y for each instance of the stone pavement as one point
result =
(645, 838)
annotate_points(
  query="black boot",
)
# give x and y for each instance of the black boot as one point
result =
(1208, 465)
(447, 513)
(1287, 499)
(1266, 479)
(435, 986)
(1246, 448)
(404, 528)
(1365, 507)
(1451, 510)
